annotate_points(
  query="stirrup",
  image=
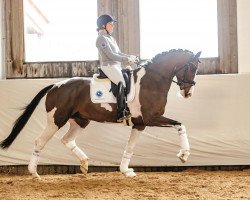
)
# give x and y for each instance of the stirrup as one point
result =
(121, 119)
(128, 122)
(126, 116)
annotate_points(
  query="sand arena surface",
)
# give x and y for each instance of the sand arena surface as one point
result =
(191, 184)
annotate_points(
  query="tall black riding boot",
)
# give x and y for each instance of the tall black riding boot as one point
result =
(122, 111)
(120, 103)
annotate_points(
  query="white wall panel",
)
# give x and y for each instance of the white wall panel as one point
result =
(243, 7)
(216, 118)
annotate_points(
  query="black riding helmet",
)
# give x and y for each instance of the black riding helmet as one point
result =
(103, 20)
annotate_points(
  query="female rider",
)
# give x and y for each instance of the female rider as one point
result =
(111, 57)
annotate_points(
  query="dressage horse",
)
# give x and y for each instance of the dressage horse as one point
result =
(69, 101)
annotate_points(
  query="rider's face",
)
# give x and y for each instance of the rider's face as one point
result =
(110, 27)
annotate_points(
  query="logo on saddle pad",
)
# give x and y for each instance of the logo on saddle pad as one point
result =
(99, 93)
(100, 90)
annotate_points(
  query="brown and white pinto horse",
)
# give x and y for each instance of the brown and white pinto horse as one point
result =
(69, 101)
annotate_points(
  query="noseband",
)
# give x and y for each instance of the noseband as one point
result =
(184, 80)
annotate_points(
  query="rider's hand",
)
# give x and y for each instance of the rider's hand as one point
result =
(132, 59)
(129, 68)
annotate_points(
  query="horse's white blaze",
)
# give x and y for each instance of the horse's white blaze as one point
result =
(107, 106)
(135, 105)
(191, 91)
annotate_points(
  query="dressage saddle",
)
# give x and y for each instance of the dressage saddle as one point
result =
(120, 93)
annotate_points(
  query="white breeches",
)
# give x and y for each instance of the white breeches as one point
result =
(114, 73)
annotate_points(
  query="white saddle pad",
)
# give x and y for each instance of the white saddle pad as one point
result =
(100, 90)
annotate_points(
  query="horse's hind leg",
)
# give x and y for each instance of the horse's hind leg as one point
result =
(40, 142)
(69, 141)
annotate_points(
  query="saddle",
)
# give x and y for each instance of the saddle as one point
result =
(114, 88)
(121, 95)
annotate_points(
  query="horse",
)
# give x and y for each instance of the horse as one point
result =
(69, 101)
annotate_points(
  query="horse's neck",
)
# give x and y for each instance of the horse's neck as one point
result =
(161, 71)
(155, 80)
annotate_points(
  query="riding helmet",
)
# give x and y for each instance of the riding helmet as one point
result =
(103, 20)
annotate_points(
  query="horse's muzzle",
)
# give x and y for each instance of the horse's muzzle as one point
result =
(186, 94)
(190, 92)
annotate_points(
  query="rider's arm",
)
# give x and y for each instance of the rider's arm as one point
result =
(104, 47)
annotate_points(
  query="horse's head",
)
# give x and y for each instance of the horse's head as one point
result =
(180, 63)
(185, 75)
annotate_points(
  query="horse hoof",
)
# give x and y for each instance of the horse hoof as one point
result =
(36, 176)
(129, 173)
(84, 167)
(183, 155)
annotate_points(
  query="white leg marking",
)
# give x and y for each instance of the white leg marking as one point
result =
(33, 163)
(129, 172)
(106, 106)
(69, 140)
(135, 105)
(184, 143)
(41, 141)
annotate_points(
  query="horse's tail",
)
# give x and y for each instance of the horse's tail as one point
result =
(23, 119)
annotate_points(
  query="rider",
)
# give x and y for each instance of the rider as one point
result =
(111, 57)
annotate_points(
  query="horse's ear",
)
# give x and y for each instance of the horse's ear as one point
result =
(198, 54)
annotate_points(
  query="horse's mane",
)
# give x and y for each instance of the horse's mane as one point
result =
(171, 52)
(167, 53)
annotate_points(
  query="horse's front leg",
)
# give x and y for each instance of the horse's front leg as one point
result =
(161, 121)
(124, 166)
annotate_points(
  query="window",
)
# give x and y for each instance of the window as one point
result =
(174, 24)
(151, 36)
(60, 30)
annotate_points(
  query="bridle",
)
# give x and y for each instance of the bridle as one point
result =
(184, 80)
